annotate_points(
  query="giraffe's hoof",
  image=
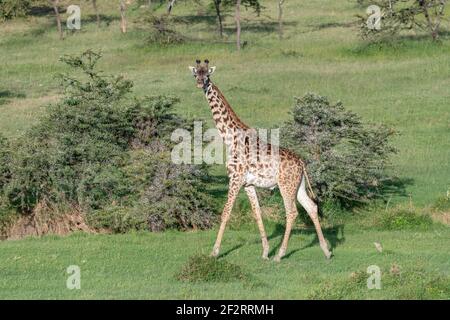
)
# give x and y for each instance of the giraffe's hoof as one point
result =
(328, 255)
(265, 257)
(277, 258)
(215, 253)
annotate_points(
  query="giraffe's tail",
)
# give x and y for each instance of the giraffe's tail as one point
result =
(311, 192)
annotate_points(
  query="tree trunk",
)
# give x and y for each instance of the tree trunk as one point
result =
(170, 6)
(280, 19)
(219, 16)
(433, 27)
(55, 4)
(238, 24)
(123, 21)
(94, 4)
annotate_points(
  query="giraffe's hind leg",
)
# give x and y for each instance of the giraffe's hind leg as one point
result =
(253, 197)
(288, 194)
(311, 208)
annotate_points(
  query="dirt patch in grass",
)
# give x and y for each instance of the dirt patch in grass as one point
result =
(42, 221)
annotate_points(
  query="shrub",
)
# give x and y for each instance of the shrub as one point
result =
(346, 158)
(10, 9)
(402, 218)
(4, 162)
(160, 29)
(108, 154)
(208, 269)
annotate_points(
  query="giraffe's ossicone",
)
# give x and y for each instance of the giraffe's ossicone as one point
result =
(252, 162)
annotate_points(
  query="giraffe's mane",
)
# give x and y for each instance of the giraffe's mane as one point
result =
(229, 108)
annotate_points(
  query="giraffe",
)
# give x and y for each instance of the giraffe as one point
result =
(252, 163)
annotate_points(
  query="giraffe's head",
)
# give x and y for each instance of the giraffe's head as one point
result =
(201, 73)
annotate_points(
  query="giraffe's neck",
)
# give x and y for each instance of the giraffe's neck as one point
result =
(226, 120)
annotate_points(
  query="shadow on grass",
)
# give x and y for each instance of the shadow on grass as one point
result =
(190, 19)
(328, 25)
(220, 183)
(224, 254)
(334, 235)
(260, 27)
(104, 19)
(5, 95)
(42, 10)
(396, 187)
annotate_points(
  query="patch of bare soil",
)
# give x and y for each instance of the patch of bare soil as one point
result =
(43, 221)
(442, 217)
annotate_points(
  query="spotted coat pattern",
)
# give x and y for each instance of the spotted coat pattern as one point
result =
(254, 163)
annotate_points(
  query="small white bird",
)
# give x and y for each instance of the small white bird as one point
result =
(378, 246)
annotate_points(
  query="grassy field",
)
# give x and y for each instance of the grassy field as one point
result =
(414, 265)
(403, 85)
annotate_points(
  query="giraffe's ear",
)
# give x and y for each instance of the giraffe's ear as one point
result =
(211, 70)
(193, 70)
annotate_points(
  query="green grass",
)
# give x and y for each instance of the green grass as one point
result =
(404, 85)
(148, 266)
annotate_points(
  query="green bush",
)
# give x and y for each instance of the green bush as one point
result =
(10, 9)
(346, 158)
(402, 218)
(4, 162)
(107, 153)
(209, 269)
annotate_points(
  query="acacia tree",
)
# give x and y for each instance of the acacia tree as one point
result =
(398, 15)
(55, 4)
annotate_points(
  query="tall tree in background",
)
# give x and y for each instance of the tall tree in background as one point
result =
(280, 18)
(433, 10)
(217, 4)
(170, 6)
(55, 4)
(237, 17)
(123, 21)
(94, 4)
(254, 4)
(399, 15)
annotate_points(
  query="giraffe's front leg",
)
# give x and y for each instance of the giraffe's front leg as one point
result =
(233, 190)
(253, 197)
